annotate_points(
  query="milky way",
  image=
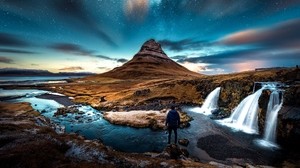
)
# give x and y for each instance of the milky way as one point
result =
(206, 36)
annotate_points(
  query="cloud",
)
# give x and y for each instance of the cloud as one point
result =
(71, 49)
(221, 58)
(122, 60)
(203, 68)
(76, 10)
(136, 10)
(104, 68)
(104, 57)
(280, 35)
(196, 67)
(186, 44)
(178, 57)
(72, 68)
(11, 40)
(34, 64)
(16, 51)
(6, 60)
(242, 60)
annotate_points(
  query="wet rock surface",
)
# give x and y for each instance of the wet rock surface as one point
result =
(28, 140)
(183, 142)
(65, 110)
(223, 148)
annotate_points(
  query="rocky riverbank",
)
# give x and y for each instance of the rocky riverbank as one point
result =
(29, 140)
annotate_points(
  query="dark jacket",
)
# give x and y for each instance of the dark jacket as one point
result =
(173, 119)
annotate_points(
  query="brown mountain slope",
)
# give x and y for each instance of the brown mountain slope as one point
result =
(150, 62)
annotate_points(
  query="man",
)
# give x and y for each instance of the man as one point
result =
(172, 123)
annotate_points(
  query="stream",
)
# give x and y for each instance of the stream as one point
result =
(91, 125)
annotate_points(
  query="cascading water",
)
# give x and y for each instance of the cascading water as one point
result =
(274, 105)
(244, 117)
(272, 111)
(210, 104)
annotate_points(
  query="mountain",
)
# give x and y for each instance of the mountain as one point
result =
(38, 72)
(150, 62)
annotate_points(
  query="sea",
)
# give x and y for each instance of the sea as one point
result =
(33, 80)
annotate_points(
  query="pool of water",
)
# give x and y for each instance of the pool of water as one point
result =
(91, 125)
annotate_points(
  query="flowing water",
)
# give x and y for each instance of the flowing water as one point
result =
(210, 104)
(91, 125)
(271, 122)
(244, 117)
(274, 105)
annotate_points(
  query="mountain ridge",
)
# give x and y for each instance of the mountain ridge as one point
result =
(150, 62)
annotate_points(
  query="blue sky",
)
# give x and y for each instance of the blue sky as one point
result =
(206, 36)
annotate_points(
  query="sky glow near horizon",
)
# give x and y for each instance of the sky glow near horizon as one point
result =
(206, 36)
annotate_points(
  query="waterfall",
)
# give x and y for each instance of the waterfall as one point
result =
(274, 105)
(210, 104)
(245, 117)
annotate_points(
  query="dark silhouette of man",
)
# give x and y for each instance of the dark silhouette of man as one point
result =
(172, 123)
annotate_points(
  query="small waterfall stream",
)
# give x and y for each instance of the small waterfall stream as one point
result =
(274, 105)
(244, 117)
(210, 104)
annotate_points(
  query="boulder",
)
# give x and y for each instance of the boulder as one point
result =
(173, 151)
(184, 142)
(143, 92)
(102, 99)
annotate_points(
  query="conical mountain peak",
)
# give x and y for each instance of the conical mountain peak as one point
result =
(152, 48)
(150, 62)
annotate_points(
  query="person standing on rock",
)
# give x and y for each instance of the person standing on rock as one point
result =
(172, 123)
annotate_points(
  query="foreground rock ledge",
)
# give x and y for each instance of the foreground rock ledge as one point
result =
(142, 119)
(28, 140)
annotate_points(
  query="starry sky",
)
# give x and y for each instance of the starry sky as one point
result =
(206, 36)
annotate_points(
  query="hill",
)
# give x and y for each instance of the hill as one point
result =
(150, 62)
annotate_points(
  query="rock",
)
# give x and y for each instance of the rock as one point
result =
(173, 151)
(184, 142)
(185, 152)
(64, 110)
(77, 117)
(143, 92)
(163, 110)
(289, 126)
(153, 124)
(81, 112)
(215, 111)
(102, 99)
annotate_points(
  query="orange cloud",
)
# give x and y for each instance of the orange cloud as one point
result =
(136, 9)
(73, 68)
(277, 35)
(249, 65)
(242, 37)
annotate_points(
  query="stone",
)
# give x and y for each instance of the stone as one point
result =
(184, 142)
(143, 92)
(173, 151)
(80, 112)
(77, 117)
(102, 99)
(185, 152)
